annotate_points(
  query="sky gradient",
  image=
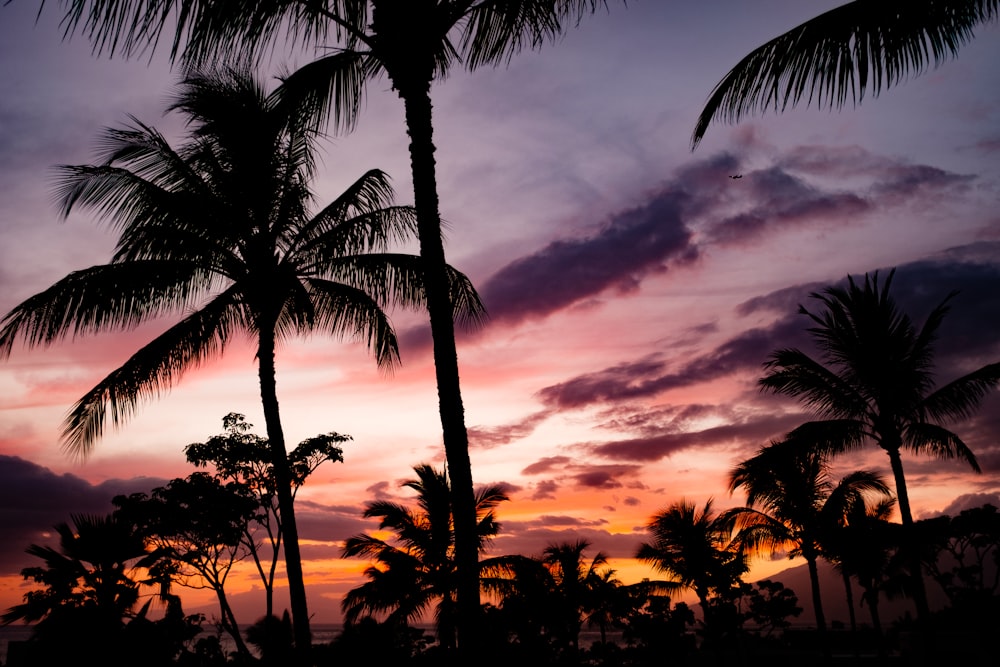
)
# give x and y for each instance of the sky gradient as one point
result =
(634, 289)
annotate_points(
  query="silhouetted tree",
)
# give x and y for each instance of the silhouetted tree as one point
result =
(696, 549)
(220, 229)
(874, 383)
(770, 606)
(413, 44)
(88, 597)
(838, 56)
(416, 570)
(197, 524)
(791, 498)
(574, 586)
(243, 457)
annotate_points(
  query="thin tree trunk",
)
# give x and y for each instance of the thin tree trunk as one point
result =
(419, 127)
(229, 623)
(283, 482)
(824, 641)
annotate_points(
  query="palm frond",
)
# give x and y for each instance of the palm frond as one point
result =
(792, 372)
(843, 54)
(960, 398)
(346, 311)
(110, 296)
(493, 32)
(149, 372)
(329, 89)
(936, 440)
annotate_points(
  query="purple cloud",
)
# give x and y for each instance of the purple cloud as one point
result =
(633, 244)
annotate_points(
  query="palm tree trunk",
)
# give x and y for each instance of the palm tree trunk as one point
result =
(419, 127)
(283, 482)
(871, 597)
(818, 605)
(849, 592)
(910, 542)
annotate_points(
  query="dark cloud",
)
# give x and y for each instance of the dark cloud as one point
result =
(779, 199)
(698, 206)
(633, 244)
(644, 378)
(33, 499)
(756, 431)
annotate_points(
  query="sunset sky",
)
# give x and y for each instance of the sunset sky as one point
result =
(634, 288)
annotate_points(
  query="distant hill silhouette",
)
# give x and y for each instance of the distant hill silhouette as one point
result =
(835, 597)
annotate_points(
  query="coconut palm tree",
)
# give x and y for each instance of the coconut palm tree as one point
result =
(574, 582)
(873, 383)
(220, 229)
(696, 549)
(838, 56)
(860, 544)
(791, 498)
(416, 569)
(413, 44)
(89, 591)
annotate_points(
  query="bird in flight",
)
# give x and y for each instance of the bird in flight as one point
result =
(737, 176)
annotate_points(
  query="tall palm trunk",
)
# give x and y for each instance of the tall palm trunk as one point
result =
(912, 559)
(817, 601)
(283, 482)
(417, 102)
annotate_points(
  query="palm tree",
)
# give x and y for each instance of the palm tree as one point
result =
(695, 548)
(791, 498)
(841, 54)
(88, 590)
(417, 568)
(860, 545)
(573, 581)
(413, 44)
(221, 230)
(874, 383)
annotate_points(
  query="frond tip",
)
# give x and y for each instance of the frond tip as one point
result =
(841, 55)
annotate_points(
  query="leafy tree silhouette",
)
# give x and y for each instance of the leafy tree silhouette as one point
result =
(242, 457)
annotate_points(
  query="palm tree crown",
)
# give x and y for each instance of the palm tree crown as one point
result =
(874, 380)
(696, 549)
(874, 383)
(416, 569)
(792, 501)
